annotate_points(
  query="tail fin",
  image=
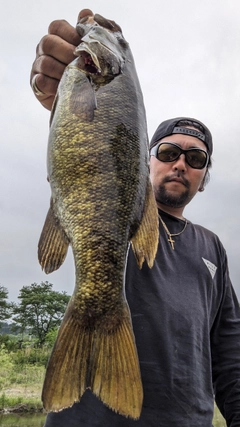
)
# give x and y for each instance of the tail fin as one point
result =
(98, 357)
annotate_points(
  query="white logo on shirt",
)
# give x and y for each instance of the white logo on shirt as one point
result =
(211, 267)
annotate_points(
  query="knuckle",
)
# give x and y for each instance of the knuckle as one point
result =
(47, 85)
(45, 45)
(38, 48)
(45, 64)
(56, 26)
(49, 67)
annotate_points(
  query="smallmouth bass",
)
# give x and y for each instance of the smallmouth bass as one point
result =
(101, 200)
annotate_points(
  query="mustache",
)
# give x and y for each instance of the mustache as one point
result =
(178, 175)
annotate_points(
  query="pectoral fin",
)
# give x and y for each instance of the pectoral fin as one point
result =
(145, 240)
(82, 100)
(53, 244)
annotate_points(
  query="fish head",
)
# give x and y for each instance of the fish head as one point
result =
(102, 51)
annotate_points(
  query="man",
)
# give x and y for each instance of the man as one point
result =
(185, 313)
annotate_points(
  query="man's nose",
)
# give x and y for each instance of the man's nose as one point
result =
(180, 163)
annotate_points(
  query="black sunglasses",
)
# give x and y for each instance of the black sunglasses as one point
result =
(169, 152)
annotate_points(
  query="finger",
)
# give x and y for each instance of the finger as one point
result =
(65, 31)
(47, 88)
(47, 102)
(49, 66)
(47, 85)
(56, 47)
(103, 22)
(48, 73)
(106, 23)
(85, 13)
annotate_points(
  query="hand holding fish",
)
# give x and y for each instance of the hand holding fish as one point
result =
(54, 52)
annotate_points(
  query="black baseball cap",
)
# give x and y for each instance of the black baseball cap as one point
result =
(170, 127)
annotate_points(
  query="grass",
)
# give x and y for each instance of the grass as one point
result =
(20, 383)
(20, 403)
(21, 378)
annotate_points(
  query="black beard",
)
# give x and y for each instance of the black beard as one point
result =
(164, 197)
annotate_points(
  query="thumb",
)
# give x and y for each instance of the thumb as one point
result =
(84, 13)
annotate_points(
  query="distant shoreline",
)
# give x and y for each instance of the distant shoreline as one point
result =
(20, 405)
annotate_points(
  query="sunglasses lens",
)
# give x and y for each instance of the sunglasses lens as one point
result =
(196, 158)
(168, 152)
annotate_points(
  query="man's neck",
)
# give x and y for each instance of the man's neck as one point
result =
(177, 212)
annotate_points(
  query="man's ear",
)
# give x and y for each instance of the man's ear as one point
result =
(202, 185)
(201, 188)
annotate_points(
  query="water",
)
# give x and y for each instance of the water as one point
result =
(23, 420)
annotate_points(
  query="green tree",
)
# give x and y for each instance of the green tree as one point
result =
(40, 309)
(51, 337)
(4, 305)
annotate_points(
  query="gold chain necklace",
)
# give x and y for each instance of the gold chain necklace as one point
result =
(170, 235)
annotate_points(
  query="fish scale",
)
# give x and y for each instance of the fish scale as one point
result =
(101, 201)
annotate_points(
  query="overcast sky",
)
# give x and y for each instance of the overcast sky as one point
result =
(187, 56)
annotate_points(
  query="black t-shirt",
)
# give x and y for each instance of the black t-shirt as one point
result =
(186, 321)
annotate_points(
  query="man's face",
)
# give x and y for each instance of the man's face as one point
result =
(176, 183)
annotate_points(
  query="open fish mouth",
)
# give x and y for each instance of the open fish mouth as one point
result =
(95, 58)
(88, 61)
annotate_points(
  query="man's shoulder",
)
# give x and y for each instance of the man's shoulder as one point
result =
(203, 230)
(206, 236)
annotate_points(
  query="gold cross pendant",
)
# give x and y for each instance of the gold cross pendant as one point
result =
(171, 241)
